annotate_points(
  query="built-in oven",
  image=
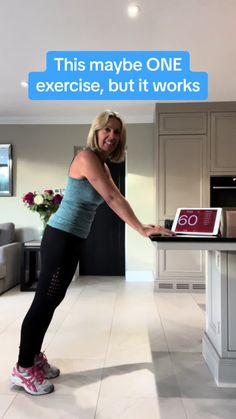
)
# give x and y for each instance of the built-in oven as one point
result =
(223, 195)
(223, 191)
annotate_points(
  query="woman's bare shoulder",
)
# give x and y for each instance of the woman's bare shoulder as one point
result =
(84, 161)
(85, 154)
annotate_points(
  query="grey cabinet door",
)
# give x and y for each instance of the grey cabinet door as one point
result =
(223, 142)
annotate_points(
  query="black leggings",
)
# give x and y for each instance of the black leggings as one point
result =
(60, 252)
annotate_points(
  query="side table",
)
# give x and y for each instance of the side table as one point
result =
(30, 265)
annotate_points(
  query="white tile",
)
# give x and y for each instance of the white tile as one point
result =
(5, 403)
(6, 367)
(199, 298)
(50, 406)
(128, 347)
(182, 320)
(133, 380)
(123, 350)
(82, 377)
(210, 408)
(172, 407)
(128, 408)
(195, 380)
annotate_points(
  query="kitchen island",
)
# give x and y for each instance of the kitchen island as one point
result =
(219, 337)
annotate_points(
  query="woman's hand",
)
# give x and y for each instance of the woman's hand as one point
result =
(152, 229)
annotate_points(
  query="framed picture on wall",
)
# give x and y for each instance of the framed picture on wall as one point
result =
(6, 170)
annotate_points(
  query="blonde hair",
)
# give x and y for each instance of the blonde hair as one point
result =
(100, 122)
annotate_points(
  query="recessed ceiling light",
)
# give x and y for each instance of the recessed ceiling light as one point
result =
(133, 10)
(24, 83)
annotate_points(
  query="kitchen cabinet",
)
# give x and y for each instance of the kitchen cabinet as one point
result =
(223, 142)
(182, 183)
(193, 142)
(182, 123)
(182, 173)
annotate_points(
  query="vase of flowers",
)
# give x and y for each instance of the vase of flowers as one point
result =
(45, 203)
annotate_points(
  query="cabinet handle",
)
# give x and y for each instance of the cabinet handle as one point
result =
(224, 187)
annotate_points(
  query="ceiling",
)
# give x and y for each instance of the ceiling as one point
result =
(31, 28)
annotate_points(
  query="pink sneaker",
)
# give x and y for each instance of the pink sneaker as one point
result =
(50, 371)
(32, 380)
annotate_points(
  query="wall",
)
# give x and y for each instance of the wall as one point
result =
(141, 194)
(41, 156)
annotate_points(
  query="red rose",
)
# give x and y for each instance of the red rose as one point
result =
(29, 198)
(57, 199)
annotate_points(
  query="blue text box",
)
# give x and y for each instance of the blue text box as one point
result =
(118, 75)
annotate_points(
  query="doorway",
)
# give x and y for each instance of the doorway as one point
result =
(104, 250)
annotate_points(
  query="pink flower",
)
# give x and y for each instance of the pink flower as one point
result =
(49, 191)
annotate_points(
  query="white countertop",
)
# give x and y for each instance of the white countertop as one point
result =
(172, 244)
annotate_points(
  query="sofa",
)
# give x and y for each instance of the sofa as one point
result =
(10, 257)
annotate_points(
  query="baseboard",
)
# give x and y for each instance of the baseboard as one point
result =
(222, 369)
(139, 276)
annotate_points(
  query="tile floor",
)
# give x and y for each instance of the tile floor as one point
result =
(124, 352)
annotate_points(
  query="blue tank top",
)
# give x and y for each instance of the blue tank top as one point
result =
(77, 209)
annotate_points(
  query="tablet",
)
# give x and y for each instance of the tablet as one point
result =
(197, 221)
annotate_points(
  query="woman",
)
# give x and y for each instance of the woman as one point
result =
(89, 184)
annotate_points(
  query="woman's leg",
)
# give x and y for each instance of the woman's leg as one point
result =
(60, 253)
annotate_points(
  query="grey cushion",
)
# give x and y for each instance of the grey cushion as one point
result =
(2, 270)
(7, 233)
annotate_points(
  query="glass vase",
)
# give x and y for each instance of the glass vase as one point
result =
(44, 217)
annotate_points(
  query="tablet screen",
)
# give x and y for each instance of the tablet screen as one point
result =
(196, 221)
